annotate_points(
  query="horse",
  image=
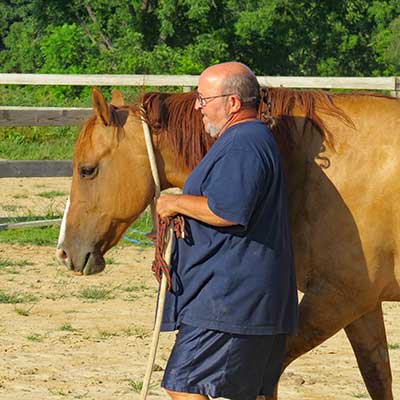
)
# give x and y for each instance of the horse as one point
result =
(341, 159)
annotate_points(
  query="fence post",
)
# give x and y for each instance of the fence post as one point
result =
(396, 91)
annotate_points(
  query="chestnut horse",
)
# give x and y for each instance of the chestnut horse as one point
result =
(342, 158)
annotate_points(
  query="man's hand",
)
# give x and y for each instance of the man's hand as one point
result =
(166, 205)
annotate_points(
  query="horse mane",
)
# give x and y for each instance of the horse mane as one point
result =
(172, 117)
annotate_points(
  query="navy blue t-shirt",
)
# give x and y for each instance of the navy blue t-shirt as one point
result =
(237, 279)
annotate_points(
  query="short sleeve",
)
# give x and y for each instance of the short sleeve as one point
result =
(235, 184)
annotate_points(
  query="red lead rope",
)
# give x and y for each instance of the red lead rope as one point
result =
(159, 266)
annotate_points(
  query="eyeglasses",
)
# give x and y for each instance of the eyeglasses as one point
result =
(203, 101)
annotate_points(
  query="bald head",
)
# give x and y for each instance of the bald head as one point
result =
(234, 77)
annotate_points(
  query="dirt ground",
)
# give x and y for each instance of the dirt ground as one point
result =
(60, 344)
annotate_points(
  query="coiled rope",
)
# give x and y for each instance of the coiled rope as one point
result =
(160, 267)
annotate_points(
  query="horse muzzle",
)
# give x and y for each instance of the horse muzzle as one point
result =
(86, 264)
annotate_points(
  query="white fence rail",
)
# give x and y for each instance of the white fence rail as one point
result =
(62, 116)
(365, 83)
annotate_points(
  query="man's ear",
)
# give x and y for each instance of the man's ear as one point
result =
(236, 103)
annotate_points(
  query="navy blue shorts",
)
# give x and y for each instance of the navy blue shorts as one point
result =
(219, 364)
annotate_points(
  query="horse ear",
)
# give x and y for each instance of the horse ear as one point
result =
(100, 106)
(117, 98)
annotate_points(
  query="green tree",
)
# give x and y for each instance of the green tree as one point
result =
(274, 37)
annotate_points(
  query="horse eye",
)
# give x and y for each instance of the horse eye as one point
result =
(87, 172)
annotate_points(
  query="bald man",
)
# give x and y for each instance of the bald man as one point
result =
(234, 297)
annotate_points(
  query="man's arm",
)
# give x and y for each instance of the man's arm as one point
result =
(193, 206)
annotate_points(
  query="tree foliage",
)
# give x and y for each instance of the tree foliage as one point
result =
(274, 37)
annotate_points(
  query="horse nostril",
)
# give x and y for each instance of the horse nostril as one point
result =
(62, 256)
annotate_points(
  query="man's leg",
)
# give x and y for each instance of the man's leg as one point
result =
(186, 396)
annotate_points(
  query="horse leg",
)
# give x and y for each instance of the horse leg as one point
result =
(368, 338)
(323, 311)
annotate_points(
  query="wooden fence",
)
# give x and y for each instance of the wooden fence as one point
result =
(61, 116)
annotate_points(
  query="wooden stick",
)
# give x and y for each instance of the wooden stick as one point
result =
(159, 314)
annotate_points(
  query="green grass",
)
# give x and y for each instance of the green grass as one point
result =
(111, 261)
(136, 386)
(15, 298)
(35, 337)
(137, 331)
(24, 312)
(8, 263)
(67, 327)
(20, 196)
(48, 236)
(10, 207)
(52, 194)
(41, 236)
(104, 334)
(96, 293)
(136, 287)
(37, 143)
(360, 395)
(143, 224)
(394, 346)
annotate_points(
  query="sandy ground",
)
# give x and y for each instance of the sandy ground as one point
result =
(62, 345)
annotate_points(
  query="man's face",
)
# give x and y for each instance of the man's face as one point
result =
(215, 111)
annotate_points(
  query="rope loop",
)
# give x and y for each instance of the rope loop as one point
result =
(159, 266)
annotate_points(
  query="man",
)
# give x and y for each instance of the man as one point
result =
(234, 295)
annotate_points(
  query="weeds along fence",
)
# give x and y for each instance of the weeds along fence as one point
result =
(63, 116)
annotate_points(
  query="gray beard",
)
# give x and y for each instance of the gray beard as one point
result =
(213, 130)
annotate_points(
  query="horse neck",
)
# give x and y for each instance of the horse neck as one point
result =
(171, 173)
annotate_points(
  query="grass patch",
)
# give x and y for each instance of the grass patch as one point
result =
(15, 298)
(10, 207)
(51, 194)
(24, 312)
(111, 261)
(48, 236)
(136, 233)
(137, 331)
(35, 337)
(20, 196)
(96, 293)
(41, 236)
(8, 263)
(67, 327)
(361, 395)
(135, 386)
(136, 287)
(132, 297)
(104, 334)
(394, 346)
(37, 143)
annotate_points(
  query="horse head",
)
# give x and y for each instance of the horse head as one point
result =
(111, 185)
(112, 181)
